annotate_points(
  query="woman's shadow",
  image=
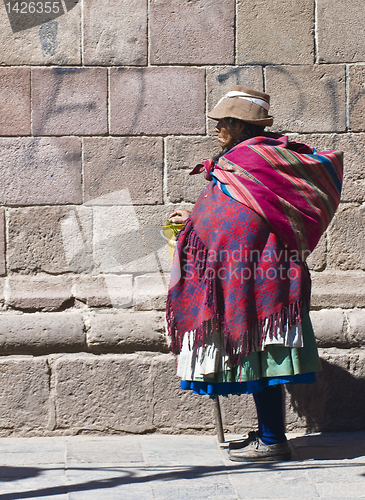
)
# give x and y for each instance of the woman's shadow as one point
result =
(335, 405)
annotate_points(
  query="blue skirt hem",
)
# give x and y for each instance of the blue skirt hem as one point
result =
(250, 387)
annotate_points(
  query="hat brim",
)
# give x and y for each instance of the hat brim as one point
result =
(242, 110)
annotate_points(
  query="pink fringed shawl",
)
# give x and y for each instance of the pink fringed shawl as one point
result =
(240, 261)
(295, 190)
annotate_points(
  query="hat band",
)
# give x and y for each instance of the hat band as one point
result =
(247, 97)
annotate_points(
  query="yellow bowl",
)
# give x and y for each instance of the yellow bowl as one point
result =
(171, 238)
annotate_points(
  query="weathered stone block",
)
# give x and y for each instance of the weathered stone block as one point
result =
(317, 259)
(340, 34)
(2, 243)
(94, 393)
(38, 293)
(356, 98)
(182, 154)
(150, 292)
(52, 164)
(281, 34)
(221, 78)
(307, 98)
(239, 413)
(356, 320)
(103, 291)
(183, 187)
(64, 102)
(353, 146)
(321, 142)
(41, 333)
(54, 240)
(193, 32)
(76, 228)
(127, 332)
(55, 42)
(120, 290)
(157, 101)
(123, 243)
(92, 291)
(133, 164)
(346, 237)
(24, 393)
(344, 289)
(188, 411)
(336, 402)
(15, 101)
(329, 327)
(115, 33)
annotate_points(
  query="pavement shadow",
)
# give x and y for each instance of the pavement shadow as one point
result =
(344, 446)
(128, 476)
(11, 473)
(336, 403)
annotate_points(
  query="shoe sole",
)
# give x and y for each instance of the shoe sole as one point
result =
(277, 458)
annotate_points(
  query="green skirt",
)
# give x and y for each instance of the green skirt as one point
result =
(275, 364)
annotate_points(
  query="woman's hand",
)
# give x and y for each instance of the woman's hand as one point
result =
(179, 216)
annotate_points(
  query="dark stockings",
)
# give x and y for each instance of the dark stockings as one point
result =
(270, 414)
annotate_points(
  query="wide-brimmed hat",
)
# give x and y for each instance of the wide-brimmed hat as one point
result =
(245, 104)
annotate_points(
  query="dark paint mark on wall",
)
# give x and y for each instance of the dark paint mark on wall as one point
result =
(48, 38)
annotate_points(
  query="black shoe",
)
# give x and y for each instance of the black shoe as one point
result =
(238, 445)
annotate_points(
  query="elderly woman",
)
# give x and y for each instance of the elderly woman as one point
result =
(239, 295)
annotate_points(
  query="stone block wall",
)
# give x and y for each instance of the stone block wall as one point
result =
(102, 114)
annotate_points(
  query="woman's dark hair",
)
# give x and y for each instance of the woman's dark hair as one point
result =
(251, 130)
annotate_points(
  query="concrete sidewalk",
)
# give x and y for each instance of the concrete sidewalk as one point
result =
(328, 466)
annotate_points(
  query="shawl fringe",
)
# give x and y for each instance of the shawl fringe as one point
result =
(253, 337)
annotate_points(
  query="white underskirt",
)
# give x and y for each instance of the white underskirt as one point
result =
(212, 358)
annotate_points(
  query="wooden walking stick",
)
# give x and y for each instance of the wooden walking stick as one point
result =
(218, 419)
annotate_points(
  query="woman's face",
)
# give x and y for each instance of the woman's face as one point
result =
(228, 134)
